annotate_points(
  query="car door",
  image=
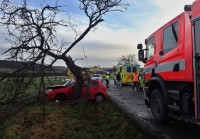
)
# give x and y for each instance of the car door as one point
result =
(86, 86)
(90, 89)
(93, 86)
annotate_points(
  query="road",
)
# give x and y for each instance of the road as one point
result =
(132, 103)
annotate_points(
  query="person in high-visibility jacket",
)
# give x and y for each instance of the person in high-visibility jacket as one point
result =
(107, 78)
(135, 77)
(141, 81)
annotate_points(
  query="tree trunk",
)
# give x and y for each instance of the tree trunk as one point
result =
(78, 75)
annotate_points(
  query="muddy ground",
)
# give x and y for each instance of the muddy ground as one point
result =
(133, 105)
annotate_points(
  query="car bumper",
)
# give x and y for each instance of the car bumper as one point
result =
(49, 95)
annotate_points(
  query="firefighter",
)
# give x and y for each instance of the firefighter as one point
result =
(135, 78)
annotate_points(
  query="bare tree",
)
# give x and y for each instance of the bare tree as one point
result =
(127, 59)
(32, 34)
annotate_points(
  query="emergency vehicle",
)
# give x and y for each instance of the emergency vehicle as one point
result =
(172, 67)
(101, 72)
(126, 73)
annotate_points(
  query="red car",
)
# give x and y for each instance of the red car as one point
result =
(97, 90)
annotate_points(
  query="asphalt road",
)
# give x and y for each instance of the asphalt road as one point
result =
(132, 103)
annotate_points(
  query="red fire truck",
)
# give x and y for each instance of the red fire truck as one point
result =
(172, 67)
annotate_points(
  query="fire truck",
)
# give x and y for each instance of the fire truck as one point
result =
(172, 67)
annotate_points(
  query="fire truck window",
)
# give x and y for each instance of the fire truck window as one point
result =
(197, 36)
(170, 40)
(150, 47)
(128, 69)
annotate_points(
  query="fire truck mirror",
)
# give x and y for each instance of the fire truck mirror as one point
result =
(141, 55)
(139, 46)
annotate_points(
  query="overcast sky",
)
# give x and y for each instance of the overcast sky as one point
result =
(119, 34)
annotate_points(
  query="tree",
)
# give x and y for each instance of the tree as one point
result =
(127, 59)
(32, 35)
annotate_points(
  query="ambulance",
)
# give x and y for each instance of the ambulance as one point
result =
(126, 73)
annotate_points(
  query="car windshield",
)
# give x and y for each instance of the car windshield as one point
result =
(95, 75)
(107, 72)
(68, 83)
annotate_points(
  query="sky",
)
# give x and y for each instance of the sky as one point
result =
(118, 35)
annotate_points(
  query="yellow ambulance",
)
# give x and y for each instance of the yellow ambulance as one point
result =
(126, 73)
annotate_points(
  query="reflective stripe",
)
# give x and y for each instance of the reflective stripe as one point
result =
(166, 67)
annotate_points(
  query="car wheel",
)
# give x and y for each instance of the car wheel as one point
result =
(60, 97)
(99, 98)
(158, 108)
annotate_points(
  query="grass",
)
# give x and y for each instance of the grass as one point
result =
(85, 120)
(31, 90)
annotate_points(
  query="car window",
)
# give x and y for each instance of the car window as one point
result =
(93, 83)
(95, 75)
(68, 83)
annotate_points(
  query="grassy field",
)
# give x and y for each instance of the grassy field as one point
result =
(27, 119)
(85, 120)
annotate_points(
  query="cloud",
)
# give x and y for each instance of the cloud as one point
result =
(170, 8)
(121, 31)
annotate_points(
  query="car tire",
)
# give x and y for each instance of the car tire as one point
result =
(60, 97)
(99, 98)
(158, 108)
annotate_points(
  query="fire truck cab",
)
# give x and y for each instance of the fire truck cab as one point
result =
(172, 67)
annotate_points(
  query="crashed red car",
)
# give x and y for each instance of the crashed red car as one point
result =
(97, 90)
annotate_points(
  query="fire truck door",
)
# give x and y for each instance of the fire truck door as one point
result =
(196, 33)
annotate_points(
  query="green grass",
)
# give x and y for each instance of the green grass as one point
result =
(85, 120)
(31, 90)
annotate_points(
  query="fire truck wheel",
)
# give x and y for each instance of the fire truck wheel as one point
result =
(157, 106)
